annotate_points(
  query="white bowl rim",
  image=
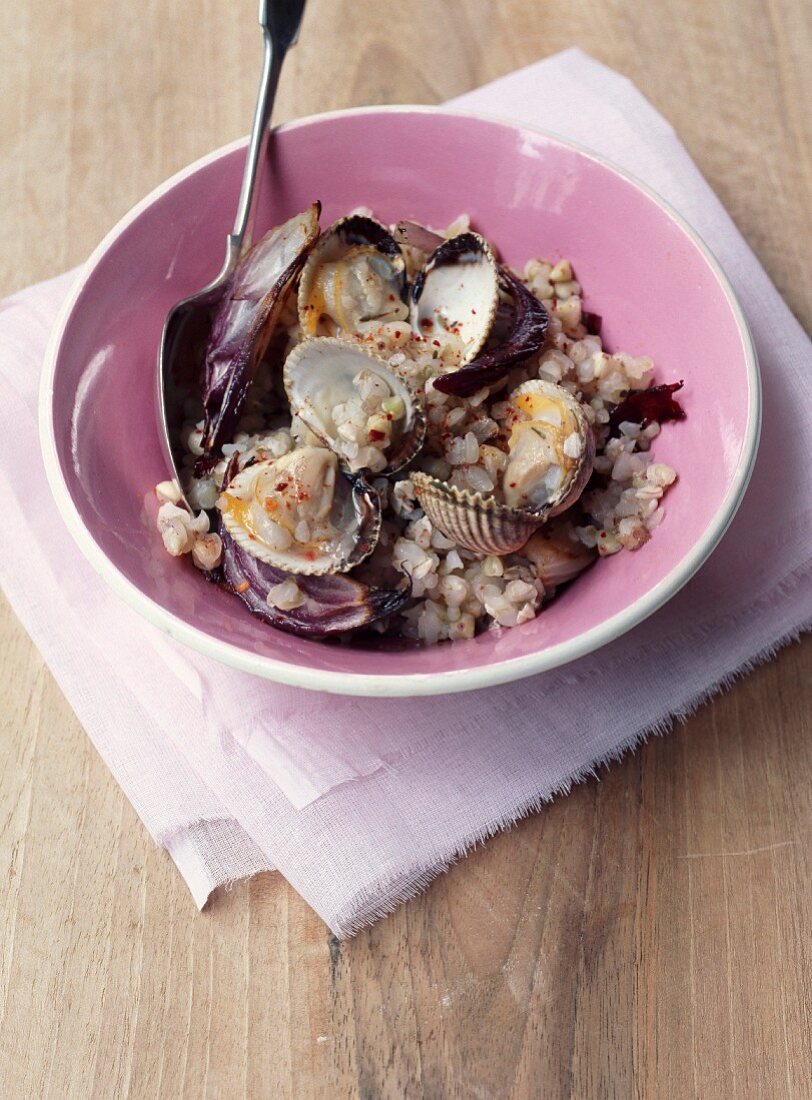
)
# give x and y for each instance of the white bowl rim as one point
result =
(409, 684)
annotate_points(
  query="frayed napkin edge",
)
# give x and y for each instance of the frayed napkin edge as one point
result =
(364, 910)
(386, 895)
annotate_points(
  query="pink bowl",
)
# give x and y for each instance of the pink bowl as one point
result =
(657, 287)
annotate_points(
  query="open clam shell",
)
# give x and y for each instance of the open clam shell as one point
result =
(519, 331)
(551, 449)
(325, 379)
(550, 455)
(356, 274)
(300, 514)
(455, 296)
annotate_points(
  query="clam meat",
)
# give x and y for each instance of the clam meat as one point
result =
(354, 277)
(550, 449)
(300, 514)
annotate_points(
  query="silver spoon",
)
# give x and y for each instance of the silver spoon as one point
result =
(188, 321)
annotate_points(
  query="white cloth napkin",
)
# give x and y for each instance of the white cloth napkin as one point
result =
(360, 802)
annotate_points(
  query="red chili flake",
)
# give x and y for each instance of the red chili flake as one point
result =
(375, 435)
(310, 555)
(473, 311)
(397, 334)
(643, 406)
(427, 323)
(391, 297)
(436, 343)
(513, 485)
(243, 586)
(281, 486)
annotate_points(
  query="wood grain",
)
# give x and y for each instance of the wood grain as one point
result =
(648, 936)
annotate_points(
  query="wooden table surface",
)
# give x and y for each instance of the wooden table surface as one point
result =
(651, 934)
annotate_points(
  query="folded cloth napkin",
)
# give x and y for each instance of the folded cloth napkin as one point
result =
(360, 802)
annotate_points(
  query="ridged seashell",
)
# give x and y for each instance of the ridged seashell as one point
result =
(355, 274)
(319, 376)
(299, 513)
(472, 520)
(455, 296)
(551, 450)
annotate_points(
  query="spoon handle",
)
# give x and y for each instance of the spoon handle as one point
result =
(280, 21)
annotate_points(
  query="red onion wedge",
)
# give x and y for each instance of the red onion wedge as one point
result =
(245, 319)
(643, 406)
(333, 604)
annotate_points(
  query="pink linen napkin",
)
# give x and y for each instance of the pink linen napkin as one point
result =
(359, 802)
